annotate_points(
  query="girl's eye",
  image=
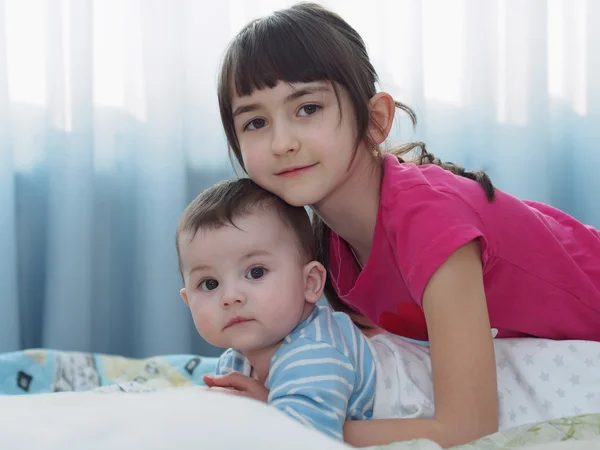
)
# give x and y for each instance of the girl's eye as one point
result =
(309, 110)
(256, 272)
(209, 285)
(255, 124)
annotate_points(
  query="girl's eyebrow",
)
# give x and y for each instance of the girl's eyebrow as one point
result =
(305, 90)
(245, 108)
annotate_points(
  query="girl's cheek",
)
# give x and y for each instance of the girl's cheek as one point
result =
(248, 161)
(253, 167)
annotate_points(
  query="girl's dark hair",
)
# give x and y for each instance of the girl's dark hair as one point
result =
(308, 43)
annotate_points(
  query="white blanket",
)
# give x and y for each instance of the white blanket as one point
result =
(182, 419)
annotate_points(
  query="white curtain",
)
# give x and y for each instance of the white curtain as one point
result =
(109, 125)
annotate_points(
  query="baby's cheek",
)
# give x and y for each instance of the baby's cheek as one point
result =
(205, 323)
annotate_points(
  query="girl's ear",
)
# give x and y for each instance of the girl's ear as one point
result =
(382, 108)
(314, 281)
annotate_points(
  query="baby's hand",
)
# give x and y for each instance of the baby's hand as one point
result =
(236, 383)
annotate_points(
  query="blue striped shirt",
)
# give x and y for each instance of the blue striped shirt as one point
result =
(322, 374)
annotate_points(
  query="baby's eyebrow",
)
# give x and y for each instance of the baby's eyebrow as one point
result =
(255, 253)
(198, 269)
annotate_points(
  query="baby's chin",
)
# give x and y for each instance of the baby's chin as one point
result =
(259, 344)
(251, 352)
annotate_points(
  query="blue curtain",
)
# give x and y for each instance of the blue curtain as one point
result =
(109, 126)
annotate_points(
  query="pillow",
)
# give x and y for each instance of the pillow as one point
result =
(180, 418)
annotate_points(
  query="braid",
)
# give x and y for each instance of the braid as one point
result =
(429, 158)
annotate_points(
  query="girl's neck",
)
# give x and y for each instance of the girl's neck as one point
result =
(351, 211)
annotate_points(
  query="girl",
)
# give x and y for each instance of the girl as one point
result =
(423, 249)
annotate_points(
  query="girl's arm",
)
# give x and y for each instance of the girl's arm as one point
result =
(462, 360)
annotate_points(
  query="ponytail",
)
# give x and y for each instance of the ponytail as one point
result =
(424, 157)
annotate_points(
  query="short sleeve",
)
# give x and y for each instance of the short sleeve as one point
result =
(224, 364)
(424, 227)
(232, 361)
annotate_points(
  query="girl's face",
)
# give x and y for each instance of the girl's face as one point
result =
(294, 142)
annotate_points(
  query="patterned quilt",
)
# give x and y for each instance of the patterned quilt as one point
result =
(46, 371)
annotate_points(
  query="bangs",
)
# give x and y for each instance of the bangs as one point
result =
(277, 49)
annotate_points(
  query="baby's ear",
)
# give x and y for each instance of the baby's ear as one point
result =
(314, 281)
(184, 296)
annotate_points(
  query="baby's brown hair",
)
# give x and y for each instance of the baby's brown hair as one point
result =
(222, 203)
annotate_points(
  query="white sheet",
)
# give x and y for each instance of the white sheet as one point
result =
(538, 379)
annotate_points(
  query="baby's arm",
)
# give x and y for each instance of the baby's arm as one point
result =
(462, 359)
(313, 382)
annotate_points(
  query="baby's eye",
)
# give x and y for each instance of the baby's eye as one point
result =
(308, 110)
(209, 285)
(255, 273)
(255, 124)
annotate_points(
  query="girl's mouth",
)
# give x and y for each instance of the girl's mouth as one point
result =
(294, 171)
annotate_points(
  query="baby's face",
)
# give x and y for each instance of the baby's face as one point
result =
(245, 285)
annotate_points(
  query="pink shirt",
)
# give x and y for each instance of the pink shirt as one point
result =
(541, 267)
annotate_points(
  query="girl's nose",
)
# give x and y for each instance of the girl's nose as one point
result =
(284, 141)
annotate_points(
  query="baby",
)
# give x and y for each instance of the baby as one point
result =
(252, 283)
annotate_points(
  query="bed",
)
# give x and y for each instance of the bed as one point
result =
(102, 401)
